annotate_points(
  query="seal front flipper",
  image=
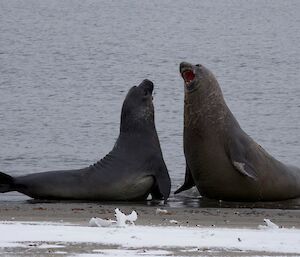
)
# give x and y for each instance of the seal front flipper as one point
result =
(188, 181)
(238, 157)
(162, 186)
(6, 183)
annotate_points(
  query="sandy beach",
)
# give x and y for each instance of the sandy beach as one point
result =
(150, 215)
(80, 213)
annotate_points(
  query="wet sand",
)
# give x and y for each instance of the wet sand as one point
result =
(79, 213)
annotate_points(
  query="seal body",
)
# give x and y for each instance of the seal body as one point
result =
(221, 159)
(131, 171)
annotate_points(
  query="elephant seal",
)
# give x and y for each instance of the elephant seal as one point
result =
(221, 159)
(133, 169)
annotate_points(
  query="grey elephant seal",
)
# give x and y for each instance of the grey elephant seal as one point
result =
(221, 159)
(131, 171)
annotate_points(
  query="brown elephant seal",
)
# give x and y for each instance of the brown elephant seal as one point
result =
(221, 159)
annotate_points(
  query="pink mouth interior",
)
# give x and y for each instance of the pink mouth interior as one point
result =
(188, 76)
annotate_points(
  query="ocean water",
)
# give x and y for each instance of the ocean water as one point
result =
(66, 66)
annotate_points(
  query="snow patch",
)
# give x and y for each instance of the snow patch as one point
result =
(121, 220)
(269, 225)
(145, 237)
(129, 252)
(98, 222)
(161, 211)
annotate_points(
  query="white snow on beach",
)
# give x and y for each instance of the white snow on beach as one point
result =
(184, 238)
(121, 220)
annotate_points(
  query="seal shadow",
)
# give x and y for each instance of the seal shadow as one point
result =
(115, 203)
(203, 202)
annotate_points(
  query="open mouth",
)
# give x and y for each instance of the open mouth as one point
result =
(188, 77)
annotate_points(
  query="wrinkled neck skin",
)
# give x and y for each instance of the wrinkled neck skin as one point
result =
(205, 105)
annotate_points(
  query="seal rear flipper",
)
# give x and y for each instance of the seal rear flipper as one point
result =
(6, 183)
(162, 187)
(188, 181)
(238, 157)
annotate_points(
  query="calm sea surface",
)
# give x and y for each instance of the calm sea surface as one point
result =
(66, 66)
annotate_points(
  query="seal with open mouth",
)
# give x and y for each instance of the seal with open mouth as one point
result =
(131, 171)
(221, 159)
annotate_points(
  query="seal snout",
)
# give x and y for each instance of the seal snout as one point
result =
(184, 65)
(187, 73)
(148, 86)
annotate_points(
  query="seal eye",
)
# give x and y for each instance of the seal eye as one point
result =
(198, 65)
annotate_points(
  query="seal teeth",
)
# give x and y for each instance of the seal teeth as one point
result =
(188, 76)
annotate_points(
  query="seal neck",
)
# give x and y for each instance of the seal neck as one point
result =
(205, 107)
(141, 138)
(136, 126)
(137, 129)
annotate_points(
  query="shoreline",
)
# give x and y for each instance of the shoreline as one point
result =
(81, 212)
(74, 216)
